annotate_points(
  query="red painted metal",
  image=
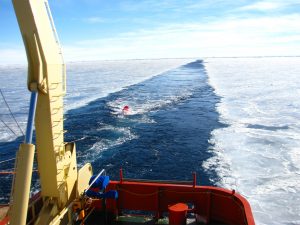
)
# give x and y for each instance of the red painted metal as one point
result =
(178, 213)
(4, 221)
(194, 179)
(4, 215)
(209, 203)
(121, 175)
(215, 204)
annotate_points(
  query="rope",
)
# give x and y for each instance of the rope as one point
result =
(8, 127)
(10, 159)
(138, 194)
(7, 160)
(11, 112)
(12, 172)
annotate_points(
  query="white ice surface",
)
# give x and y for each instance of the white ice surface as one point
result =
(86, 81)
(258, 153)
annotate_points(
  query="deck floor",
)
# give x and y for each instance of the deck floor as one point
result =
(97, 219)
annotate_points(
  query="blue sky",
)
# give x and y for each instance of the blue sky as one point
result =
(126, 29)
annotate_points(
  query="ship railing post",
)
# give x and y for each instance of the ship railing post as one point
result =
(121, 176)
(194, 179)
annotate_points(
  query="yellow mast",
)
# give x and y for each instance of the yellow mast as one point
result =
(46, 76)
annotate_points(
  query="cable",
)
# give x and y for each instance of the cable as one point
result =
(8, 127)
(11, 171)
(11, 112)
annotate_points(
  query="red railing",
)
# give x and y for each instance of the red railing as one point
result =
(211, 203)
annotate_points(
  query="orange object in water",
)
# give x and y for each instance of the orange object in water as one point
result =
(177, 214)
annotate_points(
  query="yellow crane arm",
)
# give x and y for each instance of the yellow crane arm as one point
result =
(46, 76)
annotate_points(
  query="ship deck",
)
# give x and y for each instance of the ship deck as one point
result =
(150, 203)
(96, 219)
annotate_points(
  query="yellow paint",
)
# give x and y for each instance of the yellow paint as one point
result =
(57, 164)
(84, 175)
(22, 181)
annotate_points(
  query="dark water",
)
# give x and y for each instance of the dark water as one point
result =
(164, 137)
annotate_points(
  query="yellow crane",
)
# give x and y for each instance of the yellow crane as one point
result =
(46, 80)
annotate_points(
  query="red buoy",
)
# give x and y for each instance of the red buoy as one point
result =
(125, 110)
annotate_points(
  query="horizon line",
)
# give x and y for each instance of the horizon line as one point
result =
(132, 59)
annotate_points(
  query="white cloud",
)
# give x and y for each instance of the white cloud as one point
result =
(264, 36)
(230, 37)
(13, 56)
(94, 20)
(269, 5)
(262, 6)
